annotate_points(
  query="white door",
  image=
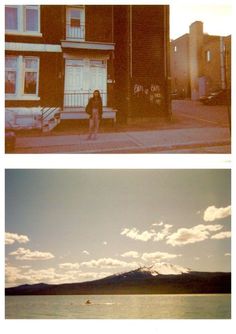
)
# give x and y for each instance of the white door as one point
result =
(82, 77)
(98, 75)
(74, 83)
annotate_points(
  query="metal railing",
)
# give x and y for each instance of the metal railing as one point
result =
(74, 99)
(75, 33)
(49, 114)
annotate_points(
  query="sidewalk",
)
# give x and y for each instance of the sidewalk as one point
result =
(126, 142)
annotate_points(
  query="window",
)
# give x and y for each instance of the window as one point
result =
(75, 23)
(21, 77)
(175, 48)
(10, 75)
(208, 56)
(11, 18)
(22, 19)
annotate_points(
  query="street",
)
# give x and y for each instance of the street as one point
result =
(194, 128)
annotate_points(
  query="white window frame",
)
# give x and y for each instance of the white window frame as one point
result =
(68, 20)
(20, 80)
(21, 17)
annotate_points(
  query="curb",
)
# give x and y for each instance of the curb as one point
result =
(131, 149)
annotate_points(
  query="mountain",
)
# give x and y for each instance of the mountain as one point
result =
(157, 279)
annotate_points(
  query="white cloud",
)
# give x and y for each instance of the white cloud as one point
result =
(69, 265)
(11, 274)
(27, 254)
(163, 233)
(108, 263)
(10, 238)
(16, 275)
(212, 213)
(221, 235)
(130, 254)
(85, 252)
(136, 235)
(185, 236)
(158, 224)
(158, 256)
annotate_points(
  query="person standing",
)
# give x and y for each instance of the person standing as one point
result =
(94, 109)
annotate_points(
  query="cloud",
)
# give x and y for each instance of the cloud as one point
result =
(69, 265)
(85, 252)
(16, 275)
(108, 263)
(221, 235)
(212, 213)
(11, 273)
(135, 234)
(163, 233)
(158, 256)
(10, 238)
(130, 254)
(27, 254)
(158, 224)
(185, 236)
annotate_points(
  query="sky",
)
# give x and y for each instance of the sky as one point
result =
(78, 225)
(216, 18)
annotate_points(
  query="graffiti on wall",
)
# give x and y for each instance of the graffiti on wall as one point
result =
(147, 98)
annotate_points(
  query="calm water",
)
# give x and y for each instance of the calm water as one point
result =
(119, 307)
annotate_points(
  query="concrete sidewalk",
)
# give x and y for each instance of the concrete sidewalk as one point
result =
(126, 142)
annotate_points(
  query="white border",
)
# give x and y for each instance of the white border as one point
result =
(172, 161)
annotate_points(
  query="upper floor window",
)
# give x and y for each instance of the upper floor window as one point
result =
(175, 48)
(22, 19)
(75, 23)
(21, 77)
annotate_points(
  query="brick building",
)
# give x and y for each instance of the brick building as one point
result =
(200, 63)
(57, 55)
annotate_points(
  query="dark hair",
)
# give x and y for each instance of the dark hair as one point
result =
(99, 95)
(97, 91)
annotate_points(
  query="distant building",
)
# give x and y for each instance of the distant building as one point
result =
(200, 63)
(57, 55)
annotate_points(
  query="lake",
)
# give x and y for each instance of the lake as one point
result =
(217, 306)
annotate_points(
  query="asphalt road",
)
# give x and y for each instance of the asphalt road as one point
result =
(188, 113)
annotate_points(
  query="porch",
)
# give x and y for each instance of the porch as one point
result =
(75, 103)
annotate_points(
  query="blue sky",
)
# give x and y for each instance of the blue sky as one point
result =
(77, 225)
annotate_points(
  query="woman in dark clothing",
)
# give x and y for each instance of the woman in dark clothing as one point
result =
(94, 109)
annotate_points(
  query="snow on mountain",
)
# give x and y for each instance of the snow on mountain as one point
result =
(164, 269)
